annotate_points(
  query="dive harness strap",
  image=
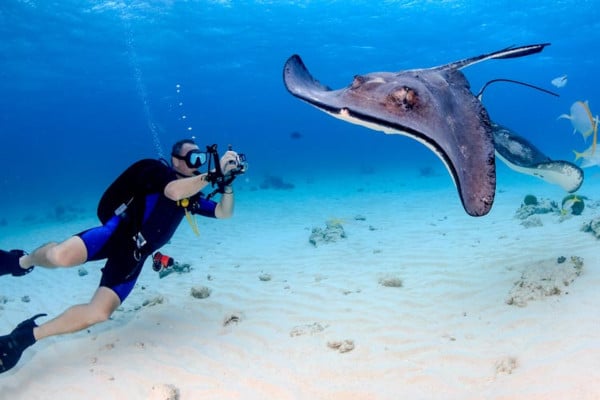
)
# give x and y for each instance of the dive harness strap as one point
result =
(138, 238)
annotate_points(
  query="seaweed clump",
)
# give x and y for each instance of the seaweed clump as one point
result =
(592, 227)
(333, 232)
(390, 281)
(545, 278)
(530, 200)
(541, 206)
(573, 204)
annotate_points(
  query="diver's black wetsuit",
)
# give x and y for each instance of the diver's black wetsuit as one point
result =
(149, 213)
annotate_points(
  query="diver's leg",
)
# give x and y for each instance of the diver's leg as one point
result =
(87, 245)
(100, 308)
(69, 253)
(76, 318)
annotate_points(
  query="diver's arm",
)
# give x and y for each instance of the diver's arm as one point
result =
(229, 162)
(185, 187)
(224, 208)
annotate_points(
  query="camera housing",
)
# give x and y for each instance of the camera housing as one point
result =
(215, 176)
(242, 164)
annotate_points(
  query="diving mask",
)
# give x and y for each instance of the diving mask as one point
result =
(193, 158)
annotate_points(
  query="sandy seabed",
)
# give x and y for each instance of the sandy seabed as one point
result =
(415, 302)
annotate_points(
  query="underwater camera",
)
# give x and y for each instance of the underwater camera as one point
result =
(242, 164)
(215, 174)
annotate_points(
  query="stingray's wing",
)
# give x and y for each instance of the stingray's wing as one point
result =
(562, 173)
(434, 107)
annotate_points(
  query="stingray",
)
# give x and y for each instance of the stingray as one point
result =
(433, 106)
(522, 156)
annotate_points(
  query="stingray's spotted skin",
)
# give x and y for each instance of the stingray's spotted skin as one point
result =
(434, 106)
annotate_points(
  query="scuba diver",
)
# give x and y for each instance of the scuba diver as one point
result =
(140, 211)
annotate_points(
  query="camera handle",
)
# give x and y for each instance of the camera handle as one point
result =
(216, 176)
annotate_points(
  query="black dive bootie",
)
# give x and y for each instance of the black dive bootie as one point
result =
(12, 346)
(9, 263)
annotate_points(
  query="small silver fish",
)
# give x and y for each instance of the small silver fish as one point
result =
(559, 82)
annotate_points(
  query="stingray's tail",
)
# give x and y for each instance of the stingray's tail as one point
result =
(480, 94)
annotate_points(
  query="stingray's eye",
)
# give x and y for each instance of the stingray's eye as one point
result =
(357, 82)
(411, 97)
(404, 96)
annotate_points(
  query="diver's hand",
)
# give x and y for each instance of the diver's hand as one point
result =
(229, 162)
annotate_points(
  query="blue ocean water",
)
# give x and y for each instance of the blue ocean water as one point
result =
(88, 87)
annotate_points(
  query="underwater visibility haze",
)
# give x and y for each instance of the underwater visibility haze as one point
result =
(352, 267)
(88, 87)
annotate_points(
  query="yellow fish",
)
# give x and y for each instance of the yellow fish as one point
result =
(589, 157)
(581, 119)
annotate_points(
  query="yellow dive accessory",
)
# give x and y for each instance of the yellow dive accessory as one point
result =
(191, 218)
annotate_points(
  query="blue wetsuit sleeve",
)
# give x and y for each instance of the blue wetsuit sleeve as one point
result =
(204, 207)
